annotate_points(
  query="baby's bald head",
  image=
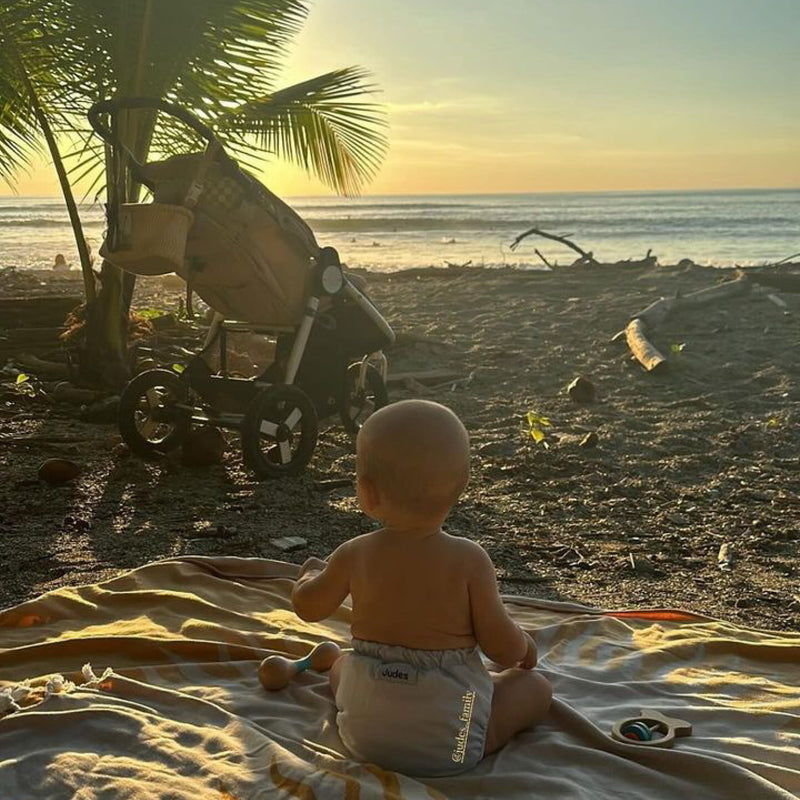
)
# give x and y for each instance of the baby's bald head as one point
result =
(416, 455)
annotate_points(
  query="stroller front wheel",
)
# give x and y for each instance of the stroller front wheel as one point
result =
(279, 432)
(357, 403)
(149, 423)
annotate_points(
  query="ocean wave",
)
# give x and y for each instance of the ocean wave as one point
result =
(594, 227)
(557, 225)
(48, 222)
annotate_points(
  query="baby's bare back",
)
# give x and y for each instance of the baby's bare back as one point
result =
(413, 593)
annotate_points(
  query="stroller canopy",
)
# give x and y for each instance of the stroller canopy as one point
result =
(248, 254)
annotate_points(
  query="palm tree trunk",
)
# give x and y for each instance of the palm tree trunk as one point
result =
(66, 189)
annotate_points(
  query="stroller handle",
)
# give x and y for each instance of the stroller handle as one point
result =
(117, 104)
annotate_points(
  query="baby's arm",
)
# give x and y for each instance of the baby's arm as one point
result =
(322, 586)
(500, 638)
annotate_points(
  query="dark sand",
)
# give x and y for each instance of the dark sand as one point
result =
(706, 454)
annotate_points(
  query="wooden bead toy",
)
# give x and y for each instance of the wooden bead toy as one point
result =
(275, 672)
(651, 728)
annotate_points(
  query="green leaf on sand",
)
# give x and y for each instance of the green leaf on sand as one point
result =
(536, 425)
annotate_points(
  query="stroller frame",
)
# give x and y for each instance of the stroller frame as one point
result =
(277, 420)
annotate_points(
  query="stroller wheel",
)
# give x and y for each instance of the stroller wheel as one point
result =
(148, 422)
(356, 404)
(279, 432)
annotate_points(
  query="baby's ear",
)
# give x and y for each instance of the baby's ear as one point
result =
(368, 495)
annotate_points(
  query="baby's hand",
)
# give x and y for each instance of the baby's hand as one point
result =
(531, 656)
(312, 564)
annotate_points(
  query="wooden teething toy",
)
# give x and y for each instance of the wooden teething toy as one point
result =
(275, 672)
(650, 728)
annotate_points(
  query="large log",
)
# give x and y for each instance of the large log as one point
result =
(646, 354)
(48, 311)
(38, 366)
(648, 319)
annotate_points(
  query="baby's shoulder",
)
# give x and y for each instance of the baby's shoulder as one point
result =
(471, 552)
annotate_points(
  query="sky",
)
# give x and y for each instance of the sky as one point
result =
(562, 95)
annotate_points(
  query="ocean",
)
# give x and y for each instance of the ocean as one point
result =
(719, 228)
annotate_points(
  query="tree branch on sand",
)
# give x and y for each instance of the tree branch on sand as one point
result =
(585, 258)
(647, 320)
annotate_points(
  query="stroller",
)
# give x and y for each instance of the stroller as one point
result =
(256, 263)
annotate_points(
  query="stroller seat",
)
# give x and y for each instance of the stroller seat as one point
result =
(253, 260)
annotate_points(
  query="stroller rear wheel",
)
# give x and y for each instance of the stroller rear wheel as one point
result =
(279, 432)
(148, 422)
(357, 403)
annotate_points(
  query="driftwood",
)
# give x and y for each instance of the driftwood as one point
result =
(585, 258)
(546, 262)
(41, 367)
(778, 301)
(429, 377)
(645, 353)
(36, 312)
(648, 319)
(784, 283)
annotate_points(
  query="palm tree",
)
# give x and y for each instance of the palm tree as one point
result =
(218, 58)
(25, 64)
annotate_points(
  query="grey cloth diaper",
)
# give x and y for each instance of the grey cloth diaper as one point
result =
(420, 712)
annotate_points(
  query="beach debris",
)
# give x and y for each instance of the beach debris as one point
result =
(289, 543)
(778, 301)
(65, 392)
(546, 262)
(453, 265)
(647, 320)
(333, 483)
(585, 258)
(39, 311)
(582, 390)
(589, 441)
(57, 471)
(725, 556)
(785, 283)
(40, 366)
(415, 387)
(644, 352)
(431, 377)
(203, 447)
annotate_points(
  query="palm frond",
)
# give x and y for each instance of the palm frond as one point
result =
(318, 125)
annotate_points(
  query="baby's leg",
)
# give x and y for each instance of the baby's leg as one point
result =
(333, 675)
(521, 699)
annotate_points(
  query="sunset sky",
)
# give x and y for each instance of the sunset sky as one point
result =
(549, 95)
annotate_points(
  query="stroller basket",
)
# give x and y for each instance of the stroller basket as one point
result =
(151, 238)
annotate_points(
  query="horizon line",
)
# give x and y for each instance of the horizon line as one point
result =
(700, 190)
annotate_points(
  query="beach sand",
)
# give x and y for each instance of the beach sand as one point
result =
(706, 454)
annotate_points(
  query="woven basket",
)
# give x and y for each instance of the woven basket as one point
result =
(152, 238)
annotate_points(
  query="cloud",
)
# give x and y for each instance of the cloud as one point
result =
(451, 106)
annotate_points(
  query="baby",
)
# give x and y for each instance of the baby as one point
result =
(414, 694)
